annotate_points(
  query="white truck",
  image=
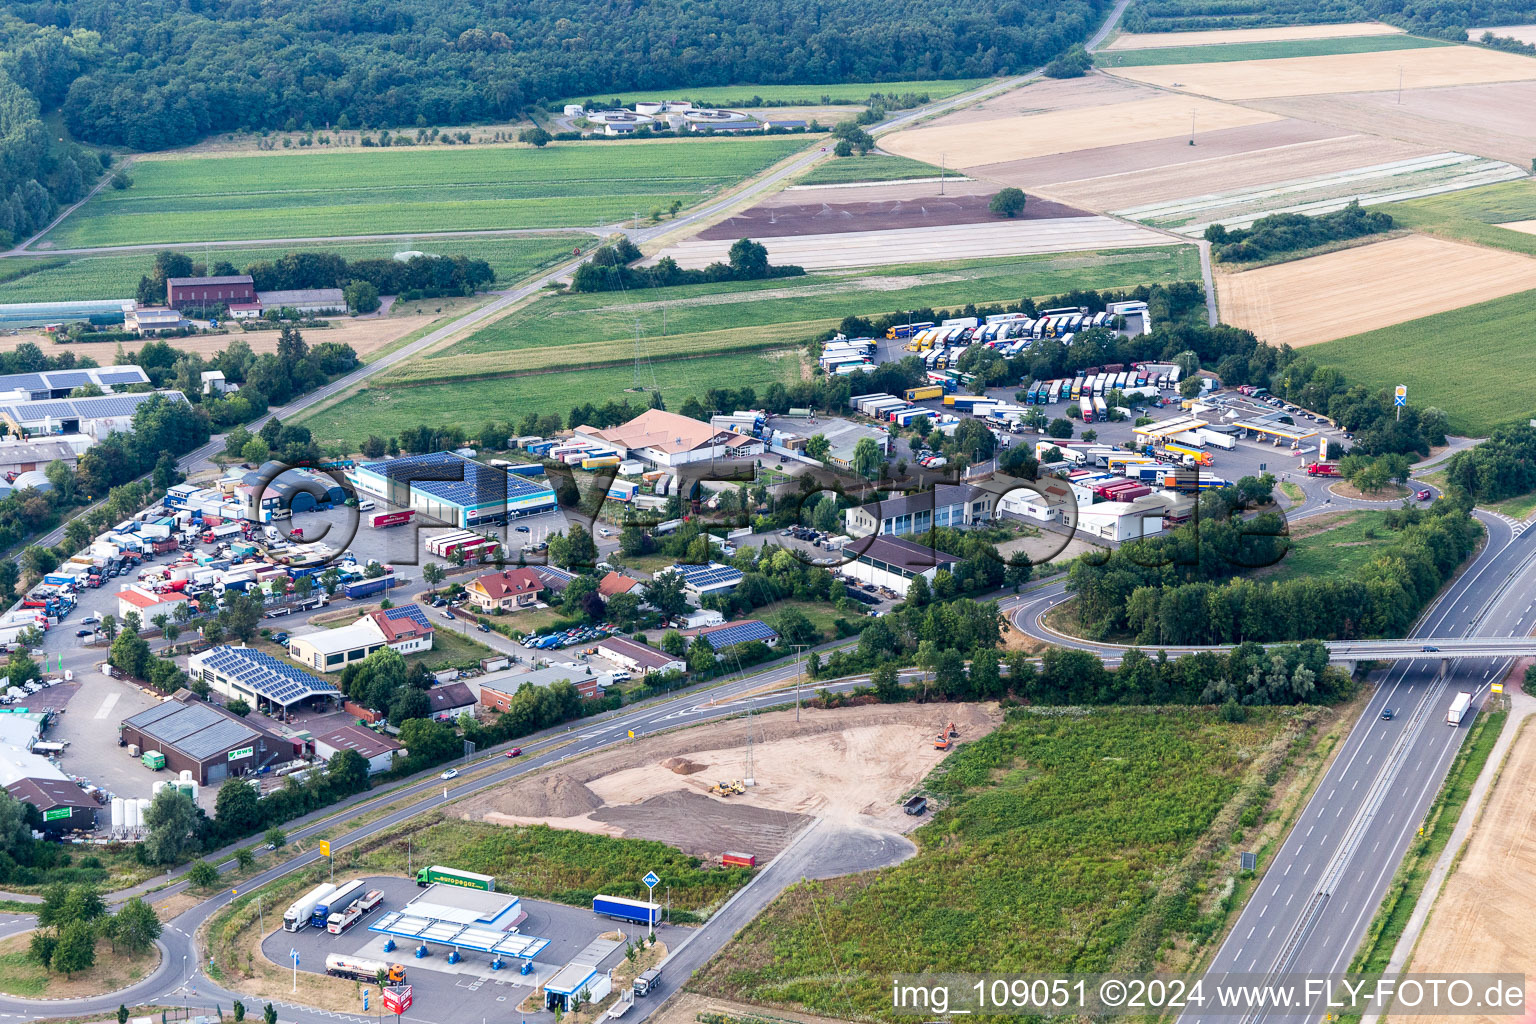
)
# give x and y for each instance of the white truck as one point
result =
(1458, 708)
(296, 917)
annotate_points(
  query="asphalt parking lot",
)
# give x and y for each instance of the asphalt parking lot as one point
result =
(459, 992)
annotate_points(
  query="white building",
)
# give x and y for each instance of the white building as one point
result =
(153, 320)
(957, 506)
(1055, 500)
(1122, 521)
(666, 440)
(305, 300)
(893, 563)
(404, 628)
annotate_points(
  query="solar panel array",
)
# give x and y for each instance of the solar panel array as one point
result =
(24, 381)
(480, 485)
(733, 633)
(50, 380)
(713, 574)
(408, 611)
(84, 408)
(69, 379)
(276, 680)
(132, 375)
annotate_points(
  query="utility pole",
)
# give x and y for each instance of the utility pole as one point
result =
(942, 157)
(1399, 84)
(799, 671)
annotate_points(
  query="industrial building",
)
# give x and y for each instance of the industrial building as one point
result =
(639, 658)
(146, 603)
(893, 563)
(209, 291)
(205, 739)
(956, 506)
(260, 679)
(453, 489)
(405, 628)
(665, 439)
(1053, 500)
(498, 688)
(32, 778)
(17, 456)
(726, 635)
(152, 320)
(95, 417)
(46, 384)
(275, 486)
(63, 805)
(1122, 521)
(505, 591)
(376, 748)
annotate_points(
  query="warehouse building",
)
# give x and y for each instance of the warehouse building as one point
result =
(305, 300)
(209, 291)
(377, 749)
(404, 628)
(297, 490)
(956, 506)
(893, 563)
(96, 417)
(205, 739)
(152, 320)
(1122, 521)
(665, 439)
(639, 658)
(498, 688)
(726, 635)
(263, 681)
(62, 804)
(453, 489)
(17, 456)
(46, 384)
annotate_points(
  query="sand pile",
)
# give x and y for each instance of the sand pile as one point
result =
(682, 766)
(555, 796)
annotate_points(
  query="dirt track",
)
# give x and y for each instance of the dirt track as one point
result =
(829, 218)
(851, 765)
(1158, 40)
(1338, 294)
(1482, 919)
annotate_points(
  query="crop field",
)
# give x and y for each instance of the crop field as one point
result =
(1334, 548)
(1062, 844)
(1277, 49)
(1449, 360)
(1345, 72)
(378, 191)
(870, 167)
(801, 95)
(1524, 33)
(385, 411)
(1209, 37)
(1497, 215)
(116, 275)
(1324, 192)
(979, 143)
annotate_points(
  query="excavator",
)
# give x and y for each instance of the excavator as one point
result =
(946, 737)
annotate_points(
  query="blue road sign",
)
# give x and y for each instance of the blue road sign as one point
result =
(650, 879)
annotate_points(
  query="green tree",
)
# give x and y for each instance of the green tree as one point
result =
(535, 136)
(818, 447)
(361, 296)
(239, 1010)
(171, 820)
(1059, 427)
(239, 706)
(1009, 202)
(269, 1015)
(122, 1013)
(886, 681)
(83, 903)
(41, 947)
(867, 458)
(665, 593)
(674, 643)
(76, 950)
(138, 926)
(202, 875)
(575, 549)
(237, 809)
(245, 857)
(276, 837)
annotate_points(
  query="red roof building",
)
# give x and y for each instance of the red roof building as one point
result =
(618, 583)
(510, 589)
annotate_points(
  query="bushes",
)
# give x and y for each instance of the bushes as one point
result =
(1075, 63)
(1290, 232)
(1501, 467)
(608, 268)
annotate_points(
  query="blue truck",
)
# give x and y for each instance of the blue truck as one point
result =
(335, 902)
(367, 588)
(638, 911)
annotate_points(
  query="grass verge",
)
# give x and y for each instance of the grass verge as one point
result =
(870, 167)
(21, 976)
(1336, 548)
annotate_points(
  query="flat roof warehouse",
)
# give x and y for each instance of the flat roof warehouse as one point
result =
(450, 488)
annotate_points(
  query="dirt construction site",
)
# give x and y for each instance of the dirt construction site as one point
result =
(853, 766)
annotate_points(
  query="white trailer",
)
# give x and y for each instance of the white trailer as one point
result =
(1219, 439)
(1458, 708)
(296, 917)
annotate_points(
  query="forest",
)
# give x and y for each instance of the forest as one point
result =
(1444, 19)
(166, 73)
(1283, 233)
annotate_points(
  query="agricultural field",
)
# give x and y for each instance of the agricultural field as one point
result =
(1333, 546)
(116, 275)
(1432, 68)
(1210, 37)
(1448, 360)
(870, 167)
(385, 410)
(1214, 54)
(401, 191)
(1321, 298)
(1049, 854)
(1524, 33)
(1497, 216)
(742, 96)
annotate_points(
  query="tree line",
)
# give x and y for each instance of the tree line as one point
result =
(162, 75)
(1281, 233)
(609, 270)
(1501, 467)
(1440, 19)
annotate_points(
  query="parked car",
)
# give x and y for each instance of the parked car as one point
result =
(521, 529)
(482, 627)
(84, 632)
(90, 620)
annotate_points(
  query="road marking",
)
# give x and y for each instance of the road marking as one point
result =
(1309, 831)
(1289, 898)
(1250, 931)
(1271, 931)
(106, 705)
(1368, 760)
(1287, 871)
(1356, 783)
(1262, 909)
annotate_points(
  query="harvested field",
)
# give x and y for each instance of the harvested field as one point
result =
(851, 765)
(1350, 72)
(1527, 227)
(915, 245)
(877, 192)
(1482, 918)
(1338, 294)
(1524, 33)
(1159, 40)
(782, 221)
(1470, 118)
(1045, 95)
(1002, 139)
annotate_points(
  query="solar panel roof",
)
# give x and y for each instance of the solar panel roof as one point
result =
(474, 483)
(733, 633)
(122, 375)
(68, 378)
(276, 680)
(25, 381)
(413, 612)
(709, 575)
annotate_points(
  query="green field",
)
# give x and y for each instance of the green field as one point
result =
(870, 167)
(1473, 215)
(782, 95)
(1064, 845)
(385, 411)
(730, 315)
(117, 275)
(1351, 540)
(1227, 52)
(407, 190)
(1474, 362)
